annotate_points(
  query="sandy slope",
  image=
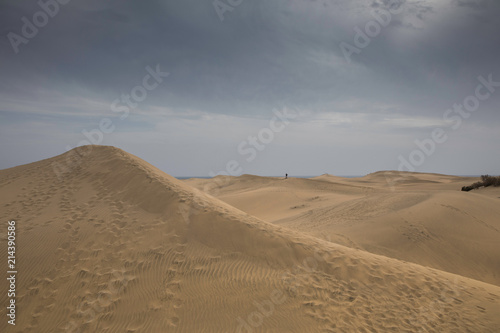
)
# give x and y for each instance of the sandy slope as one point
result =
(116, 245)
(422, 218)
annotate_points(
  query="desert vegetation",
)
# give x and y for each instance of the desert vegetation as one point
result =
(486, 180)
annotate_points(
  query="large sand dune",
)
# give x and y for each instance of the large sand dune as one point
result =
(116, 245)
(417, 217)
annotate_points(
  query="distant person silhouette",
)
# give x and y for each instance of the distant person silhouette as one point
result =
(286, 176)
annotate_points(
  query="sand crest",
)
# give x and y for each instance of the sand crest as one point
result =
(116, 245)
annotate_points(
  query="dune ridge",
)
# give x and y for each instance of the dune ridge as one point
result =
(422, 218)
(117, 245)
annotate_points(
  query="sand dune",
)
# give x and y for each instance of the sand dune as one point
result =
(116, 245)
(422, 218)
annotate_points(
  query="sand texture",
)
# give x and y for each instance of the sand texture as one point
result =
(116, 245)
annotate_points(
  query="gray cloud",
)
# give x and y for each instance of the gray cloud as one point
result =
(265, 54)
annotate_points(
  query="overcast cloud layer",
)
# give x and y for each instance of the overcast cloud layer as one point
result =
(228, 70)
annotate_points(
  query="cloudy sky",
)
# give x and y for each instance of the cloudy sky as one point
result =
(360, 86)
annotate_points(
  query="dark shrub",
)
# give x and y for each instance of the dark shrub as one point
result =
(486, 181)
